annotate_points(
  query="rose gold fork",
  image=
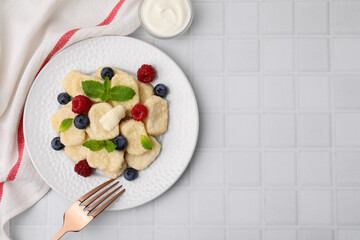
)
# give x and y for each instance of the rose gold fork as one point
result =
(76, 216)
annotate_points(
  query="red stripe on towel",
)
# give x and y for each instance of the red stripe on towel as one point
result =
(59, 45)
(21, 145)
(112, 14)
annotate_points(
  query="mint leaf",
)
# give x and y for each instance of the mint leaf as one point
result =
(92, 89)
(107, 85)
(109, 146)
(146, 143)
(104, 96)
(121, 93)
(65, 124)
(94, 145)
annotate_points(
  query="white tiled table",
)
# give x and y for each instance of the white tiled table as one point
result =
(278, 158)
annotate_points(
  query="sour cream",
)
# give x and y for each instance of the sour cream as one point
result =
(165, 18)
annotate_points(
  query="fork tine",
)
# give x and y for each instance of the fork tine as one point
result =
(100, 209)
(90, 200)
(87, 195)
(92, 207)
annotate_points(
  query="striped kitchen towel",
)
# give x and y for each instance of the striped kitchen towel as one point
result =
(31, 32)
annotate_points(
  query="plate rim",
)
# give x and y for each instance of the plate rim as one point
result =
(196, 118)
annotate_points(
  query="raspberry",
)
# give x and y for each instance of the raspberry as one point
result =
(139, 112)
(146, 73)
(81, 104)
(83, 169)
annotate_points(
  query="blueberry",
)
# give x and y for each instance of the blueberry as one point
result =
(56, 144)
(130, 174)
(63, 98)
(160, 90)
(81, 121)
(120, 143)
(107, 72)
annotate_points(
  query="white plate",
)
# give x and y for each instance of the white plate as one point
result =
(178, 143)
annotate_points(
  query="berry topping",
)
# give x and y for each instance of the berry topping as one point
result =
(81, 104)
(146, 73)
(63, 98)
(56, 144)
(130, 174)
(83, 169)
(160, 90)
(120, 143)
(81, 121)
(139, 112)
(107, 72)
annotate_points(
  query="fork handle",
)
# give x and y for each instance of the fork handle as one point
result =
(60, 234)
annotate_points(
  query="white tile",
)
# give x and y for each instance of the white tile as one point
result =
(208, 55)
(280, 207)
(316, 234)
(23, 232)
(279, 92)
(204, 162)
(208, 233)
(36, 215)
(143, 215)
(184, 180)
(348, 207)
(212, 98)
(277, 17)
(172, 233)
(106, 218)
(347, 130)
(208, 18)
(55, 215)
(53, 230)
(313, 55)
(314, 130)
(96, 233)
(180, 54)
(175, 202)
(139, 33)
(280, 234)
(347, 168)
(244, 130)
(240, 234)
(314, 92)
(242, 17)
(279, 168)
(279, 130)
(243, 168)
(244, 92)
(137, 233)
(215, 137)
(348, 234)
(243, 55)
(346, 92)
(345, 17)
(278, 54)
(346, 54)
(314, 168)
(209, 207)
(244, 207)
(311, 18)
(315, 207)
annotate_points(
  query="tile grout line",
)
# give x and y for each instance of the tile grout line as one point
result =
(226, 193)
(262, 120)
(333, 137)
(297, 122)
